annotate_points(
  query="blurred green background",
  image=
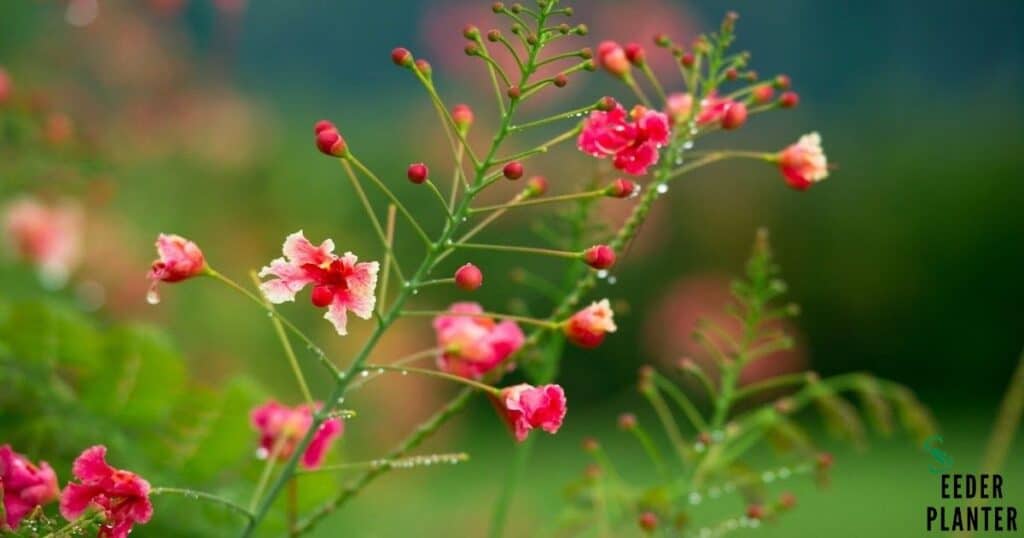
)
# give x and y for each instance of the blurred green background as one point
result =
(194, 118)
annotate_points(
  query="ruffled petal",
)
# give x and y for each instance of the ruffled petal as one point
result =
(91, 466)
(291, 279)
(300, 251)
(317, 449)
(337, 314)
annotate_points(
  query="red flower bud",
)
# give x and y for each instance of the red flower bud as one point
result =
(590, 444)
(735, 116)
(497, 7)
(323, 125)
(662, 40)
(513, 170)
(732, 74)
(627, 421)
(825, 460)
(5, 86)
(469, 277)
(330, 142)
(493, 35)
(687, 60)
(423, 66)
(586, 53)
(789, 100)
(612, 57)
(755, 511)
(648, 522)
(621, 188)
(763, 94)
(781, 82)
(561, 80)
(514, 92)
(606, 104)
(462, 115)
(635, 54)
(417, 173)
(787, 500)
(537, 186)
(599, 256)
(471, 49)
(402, 57)
(471, 32)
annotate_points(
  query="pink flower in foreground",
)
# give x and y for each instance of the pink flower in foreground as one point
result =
(472, 345)
(23, 485)
(278, 423)
(804, 163)
(49, 237)
(525, 407)
(339, 283)
(179, 259)
(587, 328)
(123, 496)
(632, 140)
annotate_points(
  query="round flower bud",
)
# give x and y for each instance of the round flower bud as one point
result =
(330, 142)
(789, 100)
(787, 500)
(781, 82)
(402, 57)
(635, 54)
(514, 92)
(627, 421)
(763, 94)
(497, 7)
(471, 49)
(599, 256)
(536, 186)
(732, 74)
(423, 66)
(606, 104)
(462, 115)
(513, 170)
(735, 116)
(755, 511)
(323, 125)
(561, 80)
(471, 32)
(662, 40)
(648, 522)
(469, 277)
(621, 188)
(687, 60)
(417, 173)
(612, 57)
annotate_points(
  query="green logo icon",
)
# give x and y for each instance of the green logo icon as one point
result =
(945, 461)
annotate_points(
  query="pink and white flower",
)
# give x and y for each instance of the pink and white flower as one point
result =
(123, 496)
(472, 345)
(525, 408)
(287, 426)
(340, 283)
(632, 140)
(713, 109)
(49, 237)
(24, 485)
(804, 163)
(678, 106)
(588, 327)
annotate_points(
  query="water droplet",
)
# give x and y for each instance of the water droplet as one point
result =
(270, 314)
(415, 292)
(695, 498)
(612, 280)
(152, 296)
(767, 477)
(688, 145)
(662, 188)
(405, 372)
(602, 274)
(364, 373)
(262, 453)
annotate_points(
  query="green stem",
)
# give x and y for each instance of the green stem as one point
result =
(361, 194)
(668, 423)
(425, 430)
(772, 383)
(525, 250)
(440, 198)
(286, 345)
(540, 201)
(646, 68)
(435, 374)
(682, 401)
(203, 496)
(273, 312)
(508, 488)
(649, 448)
(389, 243)
(394, 463)
(391, 196)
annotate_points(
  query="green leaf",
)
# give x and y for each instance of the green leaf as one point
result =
(51, 333)
(142, 374)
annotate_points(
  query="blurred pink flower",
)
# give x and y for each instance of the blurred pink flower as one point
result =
(633, 139)
(804, 163)
(588, 327)
(23, 485)
(678, 106)
(713, 109)
(122, 495)
(278, 423)
(49, 237)
(525, 407)
(339, 283)
(473, 345)
(6, 87)
(646, 18)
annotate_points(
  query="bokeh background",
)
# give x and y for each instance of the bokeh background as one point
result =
(193, 117)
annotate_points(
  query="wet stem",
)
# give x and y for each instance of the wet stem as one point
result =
(435, 250)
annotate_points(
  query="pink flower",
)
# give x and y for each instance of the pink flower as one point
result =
(278, 423)
(179, 259)
(525, 408)
(804, 163)
(587, 328)
(474, 345)
(49, 237)
(122, 495)
(678, 106)
(632, 140)
(5, 86)
(339, 283)
(24, 486)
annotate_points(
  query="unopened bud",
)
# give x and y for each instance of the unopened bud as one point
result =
(513, 170)
(599, 256)
(402, 57)
(469, 277)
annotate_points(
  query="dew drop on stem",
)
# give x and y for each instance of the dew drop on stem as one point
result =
(152, 296)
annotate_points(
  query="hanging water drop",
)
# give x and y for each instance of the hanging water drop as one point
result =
(152, 296)
(662, 188)
(695, 498)
(602, 274)
(612, 280)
